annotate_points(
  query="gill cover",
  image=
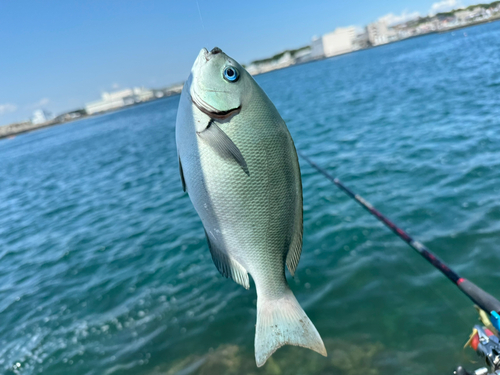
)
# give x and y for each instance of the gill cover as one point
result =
(218, 84)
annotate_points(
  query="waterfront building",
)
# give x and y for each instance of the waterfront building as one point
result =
(268, 65)
(71, 115)
(361, 41)
(464, 16)
(142, 95)
(40, 116)
(317, 51)
(118, 99)
(339, 41)
(175, 89)
(378, 33)
(302, 56)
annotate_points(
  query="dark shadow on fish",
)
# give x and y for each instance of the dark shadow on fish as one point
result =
(212, 112)
(181, 172)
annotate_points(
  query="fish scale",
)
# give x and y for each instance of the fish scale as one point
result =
(240, 168)
(260, 246)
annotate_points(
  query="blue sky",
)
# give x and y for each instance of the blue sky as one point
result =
(58, 55)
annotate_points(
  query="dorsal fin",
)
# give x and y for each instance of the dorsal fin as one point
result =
(293, 255)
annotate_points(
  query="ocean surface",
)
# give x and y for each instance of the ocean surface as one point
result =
(104, 268)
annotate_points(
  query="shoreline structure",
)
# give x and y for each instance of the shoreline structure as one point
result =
(115, 102)
(339, 42)
(349, 39)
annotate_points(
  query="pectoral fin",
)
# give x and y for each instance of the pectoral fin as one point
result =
(228, 266)
(223, 145)
(182, 176)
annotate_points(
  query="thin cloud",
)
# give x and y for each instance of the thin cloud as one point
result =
(394, 19)
(445, 6)
(7, 108)
(42, 102)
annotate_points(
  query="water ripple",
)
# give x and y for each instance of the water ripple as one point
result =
(103, 263)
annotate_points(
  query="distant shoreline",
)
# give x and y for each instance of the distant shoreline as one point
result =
(13, 130)
(451, 29)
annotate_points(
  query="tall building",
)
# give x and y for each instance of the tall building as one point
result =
(378, 33)
(339, 41)
(317, 50)
(335, 43)
(40, 116)
(361, 41)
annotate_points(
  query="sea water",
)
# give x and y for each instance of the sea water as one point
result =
(104, 268)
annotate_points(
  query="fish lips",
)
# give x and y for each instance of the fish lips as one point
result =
(213, 112)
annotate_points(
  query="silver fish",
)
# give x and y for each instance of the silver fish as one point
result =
(239, 166)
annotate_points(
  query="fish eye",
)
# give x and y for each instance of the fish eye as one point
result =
(231, 74)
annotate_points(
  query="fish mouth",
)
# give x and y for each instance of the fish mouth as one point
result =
(213, 112)
(215, 51)
(208, 55)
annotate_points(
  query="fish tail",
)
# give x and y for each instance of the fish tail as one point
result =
(282, 321)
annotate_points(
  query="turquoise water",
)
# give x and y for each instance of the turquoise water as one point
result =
(104, 268)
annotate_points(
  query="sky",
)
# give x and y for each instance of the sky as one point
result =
(59, 55)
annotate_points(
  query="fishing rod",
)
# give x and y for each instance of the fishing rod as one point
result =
(483, 340)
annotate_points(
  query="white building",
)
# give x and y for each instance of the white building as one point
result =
(302, 56)
(378, 33)
(339, 41)
(335, 43)
(271, 64)
(361, 41)
(464, 16)
(40, 116)
(118, 99)
(317, 50)
(143, 95)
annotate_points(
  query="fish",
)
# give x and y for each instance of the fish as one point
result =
(239, 166)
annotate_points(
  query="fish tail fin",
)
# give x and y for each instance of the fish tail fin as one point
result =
(280, 322)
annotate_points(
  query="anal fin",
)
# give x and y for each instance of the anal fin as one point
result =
(227, 265)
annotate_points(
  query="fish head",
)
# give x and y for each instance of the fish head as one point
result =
(218, 85)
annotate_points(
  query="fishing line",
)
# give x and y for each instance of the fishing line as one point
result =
(484, 300)
(199, 12)
(439, 293)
